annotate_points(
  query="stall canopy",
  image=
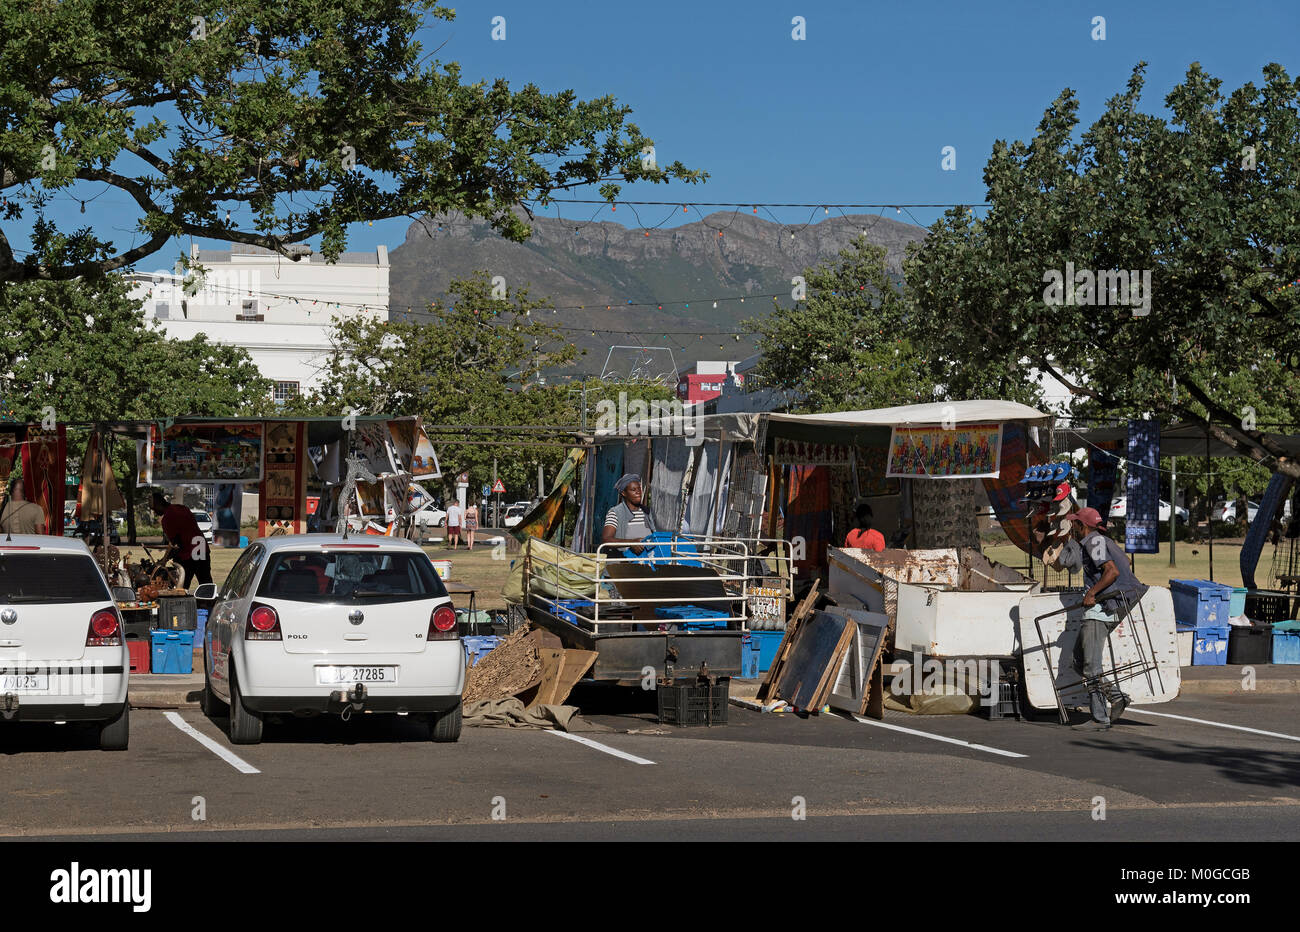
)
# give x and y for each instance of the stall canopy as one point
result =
(939, 412)
(1185, 439)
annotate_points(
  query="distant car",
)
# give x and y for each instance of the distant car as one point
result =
(63, 655)
(308, 624)
(430, 516)
(1119, 509)
(515, 513)
(1229, 512)
(204, 521)
(91, 531)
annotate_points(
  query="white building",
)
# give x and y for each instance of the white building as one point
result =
(278, 309)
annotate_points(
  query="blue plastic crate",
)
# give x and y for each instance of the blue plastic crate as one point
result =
(201, 626)
(748, 657)
(693, 617)
(1210, 646)
(1237, 605)
(1286, 642)
(566, 609)
(477, 646)
(172, 652)
(1201, 603)
(768, 643)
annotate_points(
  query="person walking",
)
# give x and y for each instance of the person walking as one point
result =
(454, 517)
(471, 524)
(1110, 594)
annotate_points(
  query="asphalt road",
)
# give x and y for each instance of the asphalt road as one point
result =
(1158, 778)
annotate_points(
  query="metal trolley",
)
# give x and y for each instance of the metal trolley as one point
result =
(1108, 682)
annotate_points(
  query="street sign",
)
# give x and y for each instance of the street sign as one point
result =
(487, 490)
(498, 486)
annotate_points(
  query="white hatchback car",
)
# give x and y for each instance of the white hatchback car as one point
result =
(313, 623)
(63, 657)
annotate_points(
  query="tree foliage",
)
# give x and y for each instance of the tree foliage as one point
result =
(272, 123)
(842, 346)
(1207, 201)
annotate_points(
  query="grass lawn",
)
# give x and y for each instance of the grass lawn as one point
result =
(1154, 569)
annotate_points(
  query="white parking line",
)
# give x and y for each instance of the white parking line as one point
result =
(602, 747)
(225, 754)
(944, 738)
(1206, 721)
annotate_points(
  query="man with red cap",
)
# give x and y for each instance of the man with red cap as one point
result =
(1110, 593)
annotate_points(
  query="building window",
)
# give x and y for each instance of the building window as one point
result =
(284, 391)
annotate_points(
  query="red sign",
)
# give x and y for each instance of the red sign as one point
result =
(498, 486)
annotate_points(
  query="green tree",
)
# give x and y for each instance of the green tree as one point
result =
(82, 349)
(1205, 201)
(270, 124)
(842, 346)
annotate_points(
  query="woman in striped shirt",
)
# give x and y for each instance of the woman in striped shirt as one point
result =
(628, 522)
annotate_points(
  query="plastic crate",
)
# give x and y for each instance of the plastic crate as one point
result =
(1267, 605)
(693, 616)
(1201, 603)
(173, 652)
(177, 613)
(1210, 646)
(694, 704)
(1286, 642)
(137, 622)
(1237, 605)
(748, 656)
(201, 627)
(769, 642)
(477, 646)
(1007, 705)
(1250, 644)
(138, 648)
(567, 609)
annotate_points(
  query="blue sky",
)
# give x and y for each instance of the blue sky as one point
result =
(857, 112)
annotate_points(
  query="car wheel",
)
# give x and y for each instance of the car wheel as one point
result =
(444, 727)
(443, 522)
(245, 726)
(113, 736)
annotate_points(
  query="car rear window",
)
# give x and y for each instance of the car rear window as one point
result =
(350, 576)
(51, 577)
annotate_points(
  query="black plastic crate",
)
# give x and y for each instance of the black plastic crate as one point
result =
(1267, 606)
(136, 622)
(693, 704)
(1007, 704)
(1250, 645)
(177, 613)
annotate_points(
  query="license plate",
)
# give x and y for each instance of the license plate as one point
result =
(13, 682)
(336, 676)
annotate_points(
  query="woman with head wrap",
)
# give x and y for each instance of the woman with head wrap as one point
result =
(627, 522)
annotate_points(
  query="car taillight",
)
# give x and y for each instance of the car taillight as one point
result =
(103, 630)
(442, 624)
(263, 624)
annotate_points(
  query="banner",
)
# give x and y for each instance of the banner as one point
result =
(809, 453)
(97, 483)
(1005, 492)
(1103, 470)
(9, 444)
(45, 467)
(282, 502)
(229, 501)
(1142, 509)
(968, 452)
(206, 453)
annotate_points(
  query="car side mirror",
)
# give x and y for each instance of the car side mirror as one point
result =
(206, 591)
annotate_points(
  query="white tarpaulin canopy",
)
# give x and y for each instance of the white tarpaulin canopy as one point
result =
(977, 411)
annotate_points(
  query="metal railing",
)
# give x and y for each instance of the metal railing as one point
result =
(736, 563)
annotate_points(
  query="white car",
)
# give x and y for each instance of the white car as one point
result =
(1119, 509)
(1230, 511)
(204, 521)
(313, 623)
(430, 516)
(515, 514)
(63, 653)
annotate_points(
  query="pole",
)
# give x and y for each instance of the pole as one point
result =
(1209, 499)
(1173, 508)
(541, 482)
(496, 514)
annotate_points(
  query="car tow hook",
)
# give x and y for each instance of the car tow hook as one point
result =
(352, 701)
(9, 705)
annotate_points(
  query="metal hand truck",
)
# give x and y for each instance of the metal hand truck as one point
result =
(1108, 680)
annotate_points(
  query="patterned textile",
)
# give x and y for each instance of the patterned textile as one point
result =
(671, 457)
(808, 513)
(944, 513)
(1004, 492)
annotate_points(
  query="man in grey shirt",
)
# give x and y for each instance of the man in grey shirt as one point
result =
(627, 522)
(1111, 592)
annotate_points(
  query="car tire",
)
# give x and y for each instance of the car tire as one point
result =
(245, 726)
(114, 735)
(444, 727)
(443, 522)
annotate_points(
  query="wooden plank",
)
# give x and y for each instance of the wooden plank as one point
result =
(875, 704)
(828, 675)
(552, 663)
(802, 611)
(576, 665)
